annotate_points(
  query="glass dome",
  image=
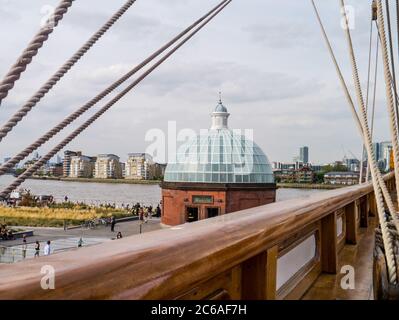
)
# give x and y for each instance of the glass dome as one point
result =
(220, 156)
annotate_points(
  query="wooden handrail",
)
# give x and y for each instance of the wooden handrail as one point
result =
(166, 263)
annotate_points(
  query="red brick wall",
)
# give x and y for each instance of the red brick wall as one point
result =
(244, 199)
(174, 206)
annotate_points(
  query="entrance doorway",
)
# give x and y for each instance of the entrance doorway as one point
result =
(212, 212)
(192, 214)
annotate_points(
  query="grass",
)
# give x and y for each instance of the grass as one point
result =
(54, 217)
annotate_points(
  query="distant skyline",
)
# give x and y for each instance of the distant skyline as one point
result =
(267, 58)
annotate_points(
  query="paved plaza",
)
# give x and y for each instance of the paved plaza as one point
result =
(62, 240)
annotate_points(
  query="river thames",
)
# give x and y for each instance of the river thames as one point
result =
(96, 193)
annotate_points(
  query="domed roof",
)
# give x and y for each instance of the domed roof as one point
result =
(220, 155)
(220, 107)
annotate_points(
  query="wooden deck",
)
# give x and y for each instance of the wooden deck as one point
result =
(327, 286)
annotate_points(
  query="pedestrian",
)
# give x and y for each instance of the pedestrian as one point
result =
(141, 214)
(24, 246)
(158, 211)
(66, 198)
(37, 249)
(47, 248)
(119, 235)
(80, 243)
(113, 222)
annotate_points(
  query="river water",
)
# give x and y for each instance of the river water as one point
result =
(96, 193)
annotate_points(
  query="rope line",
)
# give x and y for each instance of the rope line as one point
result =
(27, 56)
(374, 100)
(99, 113)
(46, 137)
(393, 73)
(390, 98)
(367, 96)
(378, 182)
(34, 100)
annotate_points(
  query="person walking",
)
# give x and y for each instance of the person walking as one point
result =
(47, 249)
(119, 235)
(37, 249)
(24, 247)
(113, 222)
(66, 198)
(80, 243)
(158, 211)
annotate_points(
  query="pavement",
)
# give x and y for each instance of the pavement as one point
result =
(127, 228)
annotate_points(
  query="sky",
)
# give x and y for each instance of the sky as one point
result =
(267, 57)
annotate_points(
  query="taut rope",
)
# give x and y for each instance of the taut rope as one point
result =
(26, 58)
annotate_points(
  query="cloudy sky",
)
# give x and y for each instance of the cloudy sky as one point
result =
(266, 56)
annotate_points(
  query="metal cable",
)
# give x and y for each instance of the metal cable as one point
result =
(23, 154)
(34, 100)
(26, 58)
(99, 113)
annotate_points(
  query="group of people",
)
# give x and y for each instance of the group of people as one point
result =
(6, 233)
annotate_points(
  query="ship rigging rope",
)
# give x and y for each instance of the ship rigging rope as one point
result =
(100, 112)
(374, 99)
(393, 73)
(27, 55)
(381, 181)
(72, 117)
(367, 97)
(378, 182)
(390, 98)
(34, 100)
(386, 235)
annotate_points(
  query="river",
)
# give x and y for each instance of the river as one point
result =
(96, 193)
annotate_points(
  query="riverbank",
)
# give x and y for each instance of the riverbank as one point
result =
(309, 186)
(95, 180)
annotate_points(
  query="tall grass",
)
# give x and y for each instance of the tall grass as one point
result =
(53, 217)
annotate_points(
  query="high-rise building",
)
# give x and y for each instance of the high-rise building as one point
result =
(138, 166)
(67, 161)
(304, 154)
(81, 167)
(107, 166)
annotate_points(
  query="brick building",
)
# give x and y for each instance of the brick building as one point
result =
(215, 173)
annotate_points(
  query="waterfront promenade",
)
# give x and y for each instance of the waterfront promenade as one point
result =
(127, 228)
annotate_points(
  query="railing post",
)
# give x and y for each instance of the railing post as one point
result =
(351, 223)
(363, 211)
(329, 254)
(259, 276)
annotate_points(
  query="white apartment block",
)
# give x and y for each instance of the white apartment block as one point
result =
(81, 167)
(138, 166)
(107, 166)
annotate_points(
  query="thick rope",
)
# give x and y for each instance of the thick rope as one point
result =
(388, 243)
(393, 72)
(23, 154)
(26, 58)
(34, 100)
(380, 185)
(358, 123)
(99, 113)
(390, 98)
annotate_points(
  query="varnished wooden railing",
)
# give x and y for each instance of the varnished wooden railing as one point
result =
(251, 254)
